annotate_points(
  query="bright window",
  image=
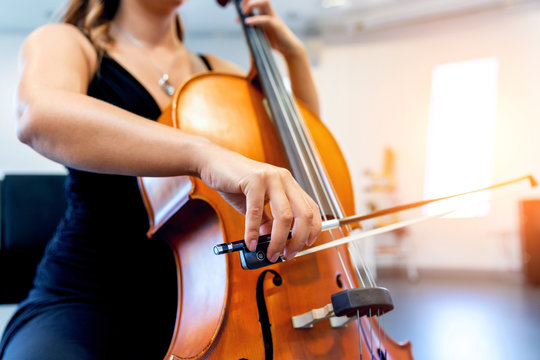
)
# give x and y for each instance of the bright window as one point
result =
(461, 134)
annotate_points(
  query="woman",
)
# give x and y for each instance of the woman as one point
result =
(87, 91)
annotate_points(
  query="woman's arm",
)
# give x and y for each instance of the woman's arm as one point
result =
(283, 39)
(58, 119)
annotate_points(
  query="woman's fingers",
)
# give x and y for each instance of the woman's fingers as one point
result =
(262, 20)
(262, 6)
(292, 204)
(303, 220)
(280, 36)
(266, 225)
(249, 185)
(316, 221)
(282, 214)
(255, 200)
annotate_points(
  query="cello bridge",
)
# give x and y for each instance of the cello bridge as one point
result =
(306, 320)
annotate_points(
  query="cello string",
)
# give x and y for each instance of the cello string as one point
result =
(363, 285)
(275, 81)
(366, 271)
(334, 210)
(290, 116)
(362, 263)
(355, 264)
(379, 328)
(357, 270)
(385, 348)
(359, 331)
(292, 123)
(308, 146)
(289, 121)
(299, 130)
(365, 336)
(261, 45)
(373, 232)
(399, 225)
(263, 58)
(303, 135)
(313, 155)
(260, 49)
(371, 333)
(316, 162)
(299, 133)
(349, 280)
(295, 142)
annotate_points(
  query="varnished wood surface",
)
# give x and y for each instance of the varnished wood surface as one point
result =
(218, 107)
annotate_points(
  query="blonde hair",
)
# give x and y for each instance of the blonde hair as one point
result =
(93, 17)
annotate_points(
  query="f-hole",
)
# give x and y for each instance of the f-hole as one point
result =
(263, 312)
(339, 282)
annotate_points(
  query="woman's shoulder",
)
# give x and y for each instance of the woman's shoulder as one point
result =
(62, 36)
(60, 32)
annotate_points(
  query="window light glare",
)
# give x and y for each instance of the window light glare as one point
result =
(461, 135)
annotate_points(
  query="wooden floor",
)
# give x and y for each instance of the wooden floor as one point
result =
(465, 316)
(456, 316)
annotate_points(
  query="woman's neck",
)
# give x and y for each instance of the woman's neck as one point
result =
(151, 27)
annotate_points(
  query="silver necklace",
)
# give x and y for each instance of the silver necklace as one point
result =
(163, 81)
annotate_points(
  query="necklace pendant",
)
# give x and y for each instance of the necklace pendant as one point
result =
(166, 84)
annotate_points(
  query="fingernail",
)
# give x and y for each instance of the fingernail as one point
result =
(253, 245)
(274, 257)
(292, 255)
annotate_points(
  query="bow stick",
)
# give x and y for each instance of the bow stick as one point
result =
(335, 223)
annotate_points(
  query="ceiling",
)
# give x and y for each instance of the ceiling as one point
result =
(206, 17)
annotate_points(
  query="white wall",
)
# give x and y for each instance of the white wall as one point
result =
(375, 92)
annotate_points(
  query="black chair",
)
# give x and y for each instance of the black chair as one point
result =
(31, 207)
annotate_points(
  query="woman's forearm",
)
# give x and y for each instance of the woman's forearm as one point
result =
(86, 133)
(302, 83)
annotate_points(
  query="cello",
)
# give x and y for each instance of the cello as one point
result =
(225, 311)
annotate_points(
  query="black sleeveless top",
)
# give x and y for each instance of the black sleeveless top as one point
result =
(100, 254)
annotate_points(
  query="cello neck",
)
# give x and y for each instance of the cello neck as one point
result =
(304, 161)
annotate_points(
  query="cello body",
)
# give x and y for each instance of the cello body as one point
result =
(219, 303)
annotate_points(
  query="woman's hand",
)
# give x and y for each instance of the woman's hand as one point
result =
(280, 36)
(249, 185)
